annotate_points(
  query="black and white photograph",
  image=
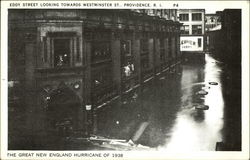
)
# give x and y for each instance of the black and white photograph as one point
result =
(119, 77)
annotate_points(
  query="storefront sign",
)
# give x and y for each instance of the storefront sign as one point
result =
(191, 43)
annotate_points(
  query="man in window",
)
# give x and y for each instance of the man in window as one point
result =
(62, 60)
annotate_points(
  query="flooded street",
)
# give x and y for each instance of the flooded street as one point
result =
(195, 129)
(182, 110)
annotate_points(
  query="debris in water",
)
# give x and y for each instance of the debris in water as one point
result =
(201, 107)
(124, 102)
(205, 87)
(117, 122)
(140, 130)
(213, 83)
(162, 78)
(202, 92)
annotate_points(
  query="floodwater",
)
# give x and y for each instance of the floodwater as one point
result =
(165, 115)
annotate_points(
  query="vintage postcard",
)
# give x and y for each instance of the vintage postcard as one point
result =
(125, 80)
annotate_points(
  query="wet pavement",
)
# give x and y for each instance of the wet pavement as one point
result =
(169, 113)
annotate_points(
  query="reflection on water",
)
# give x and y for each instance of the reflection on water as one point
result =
(193, 129)
(168, 107)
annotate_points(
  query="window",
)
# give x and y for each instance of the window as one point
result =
(127, 61)
(185, 29)
(196, 17)
(196, 29)
(126, 48)
(212, 19)
(102, 77)
(60, 48)
(184, 17)
(100, 51)
(61, 52)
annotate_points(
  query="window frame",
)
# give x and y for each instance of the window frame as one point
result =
(196, 18)
(74, 47)
(186, 32)
(196, 29)
(184, 18)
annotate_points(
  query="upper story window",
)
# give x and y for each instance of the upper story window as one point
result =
(126, 48)
(184, 17)
(196, 29)
(196, 17)
(100, 51)
(62, 54)
(212, 19)
(185, 29)
(61, 49)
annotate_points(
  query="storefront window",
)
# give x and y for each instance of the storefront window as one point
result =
(128, 69)
(102, 77)
(127, 59)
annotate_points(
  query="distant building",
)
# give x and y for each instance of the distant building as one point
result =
(192, 33)
(227, 40)
(225, 44)
(168, 14)
(212, 21)
(193, 21)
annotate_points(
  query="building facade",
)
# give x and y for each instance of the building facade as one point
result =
(168, 14)
(193, 29)
(212, 21)
(225, 44)
(66, 64)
